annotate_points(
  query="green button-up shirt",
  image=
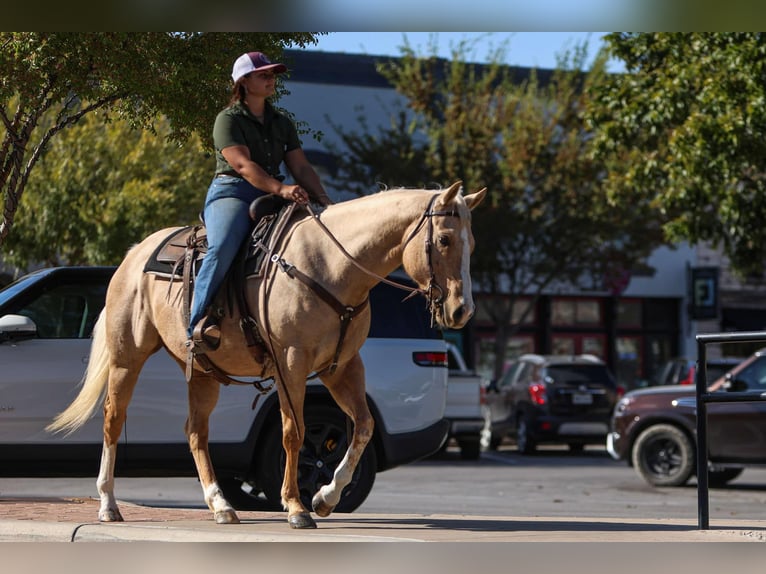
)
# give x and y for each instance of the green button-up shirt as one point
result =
(268, 142)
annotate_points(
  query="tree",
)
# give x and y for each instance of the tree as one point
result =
(48, 81)
(686, 124)
(100, 188)
(547, 223)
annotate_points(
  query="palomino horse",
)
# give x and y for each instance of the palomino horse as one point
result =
(427, 232)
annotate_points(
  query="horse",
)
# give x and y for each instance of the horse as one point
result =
(356, 244)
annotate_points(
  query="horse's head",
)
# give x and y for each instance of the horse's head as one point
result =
(442, 267)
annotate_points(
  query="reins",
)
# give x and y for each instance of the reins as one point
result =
(434, 302)
(413, 290)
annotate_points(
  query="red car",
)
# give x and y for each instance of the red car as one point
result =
(654, 429)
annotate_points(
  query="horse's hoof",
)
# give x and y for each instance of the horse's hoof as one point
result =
(110, 515)
(321, 508)
(226, 517)
(302, 520)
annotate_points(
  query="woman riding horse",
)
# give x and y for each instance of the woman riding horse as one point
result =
(251, 141)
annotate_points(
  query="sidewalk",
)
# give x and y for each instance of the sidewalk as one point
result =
(75, 520)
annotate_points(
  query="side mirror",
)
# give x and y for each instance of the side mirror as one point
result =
(16, 327)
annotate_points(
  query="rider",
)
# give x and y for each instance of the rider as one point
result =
(251, 140)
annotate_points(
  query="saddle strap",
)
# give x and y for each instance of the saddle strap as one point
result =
(346, 313)
(188, 272)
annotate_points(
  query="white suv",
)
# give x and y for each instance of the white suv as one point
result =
(46, 319)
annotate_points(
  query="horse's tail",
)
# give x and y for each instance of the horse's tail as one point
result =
(93, 384)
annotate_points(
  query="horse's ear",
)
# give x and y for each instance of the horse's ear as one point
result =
(475, 198)
(450, 194)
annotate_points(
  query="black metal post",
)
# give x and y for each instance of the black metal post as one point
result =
(703, 507)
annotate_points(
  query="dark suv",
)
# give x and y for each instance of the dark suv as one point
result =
(654, 429)
(553, 399)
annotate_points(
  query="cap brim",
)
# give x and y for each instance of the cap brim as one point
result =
(276, 68)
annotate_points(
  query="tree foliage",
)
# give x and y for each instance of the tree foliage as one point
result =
(48, 81)
(686, 124)
(546, 223)
(100, 188)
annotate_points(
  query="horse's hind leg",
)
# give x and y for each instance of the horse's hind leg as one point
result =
(347, 388)
(120, 389)
(203, 396)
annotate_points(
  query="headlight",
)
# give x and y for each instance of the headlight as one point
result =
(622, 405)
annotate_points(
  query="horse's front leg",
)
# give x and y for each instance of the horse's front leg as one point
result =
(203, 396)
(348, 389)
(292, 392)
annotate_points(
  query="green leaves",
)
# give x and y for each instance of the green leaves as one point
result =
(100, 188)
(49, 80)
(684, 130)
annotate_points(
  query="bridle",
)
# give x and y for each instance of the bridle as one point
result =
(433, 293)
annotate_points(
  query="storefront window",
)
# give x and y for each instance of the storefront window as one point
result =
(629, 313)
(575, 312)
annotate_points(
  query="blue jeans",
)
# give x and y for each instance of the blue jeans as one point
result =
(227, 220)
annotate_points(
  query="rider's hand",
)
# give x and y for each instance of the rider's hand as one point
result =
(294, 193)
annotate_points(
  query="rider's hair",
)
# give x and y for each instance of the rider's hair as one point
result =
(238, 91)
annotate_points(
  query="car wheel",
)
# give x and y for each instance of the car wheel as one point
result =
(324, 446)
(664, 456)
(719, 478)
(470, 448)
(525, 444)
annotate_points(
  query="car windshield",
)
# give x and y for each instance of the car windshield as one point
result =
(580, 374)
(12, 289)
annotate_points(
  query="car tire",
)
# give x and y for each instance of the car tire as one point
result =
(663, 455)
(525, 444)
(470, 448)
(324, 446)
(723, 476)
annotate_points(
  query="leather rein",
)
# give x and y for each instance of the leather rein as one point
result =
(434, 301)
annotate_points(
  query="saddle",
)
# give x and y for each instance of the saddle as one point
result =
(179, 257)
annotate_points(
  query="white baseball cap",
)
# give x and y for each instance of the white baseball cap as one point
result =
(254, 62)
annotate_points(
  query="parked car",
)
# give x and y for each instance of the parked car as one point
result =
(682, 370)
(46, 320)
(654, 429)
(551, 399)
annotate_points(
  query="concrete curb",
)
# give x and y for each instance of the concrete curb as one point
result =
(389, 528)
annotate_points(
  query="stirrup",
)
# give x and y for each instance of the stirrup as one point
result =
(206, 336)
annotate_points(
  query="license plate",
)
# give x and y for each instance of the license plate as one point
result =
(582, 399)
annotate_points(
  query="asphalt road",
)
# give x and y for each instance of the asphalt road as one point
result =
(551, 483)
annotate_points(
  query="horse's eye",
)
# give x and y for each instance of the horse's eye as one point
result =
(444, 241)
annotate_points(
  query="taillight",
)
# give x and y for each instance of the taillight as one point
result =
(430, 358)
(482, 395)
(537, 393)
(689, 378)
